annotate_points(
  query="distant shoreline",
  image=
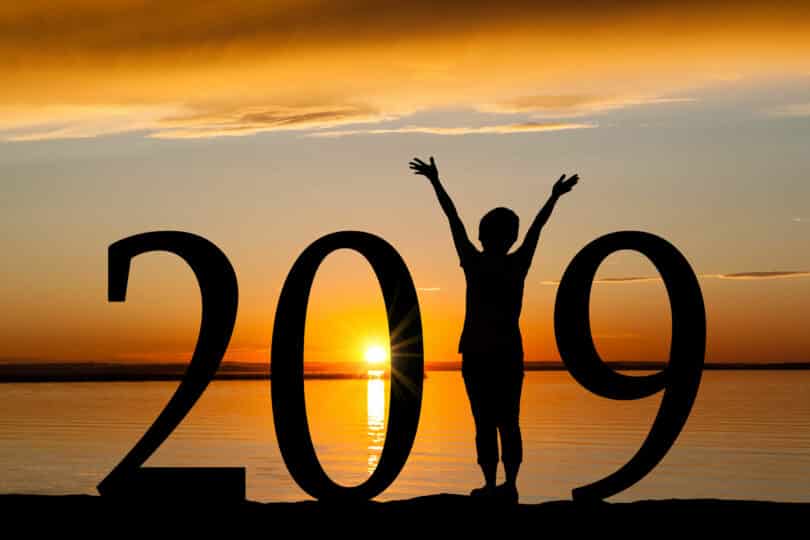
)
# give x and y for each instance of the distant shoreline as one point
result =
(244, 371)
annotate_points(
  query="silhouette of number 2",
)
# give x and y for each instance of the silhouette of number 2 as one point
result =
(219, 294)
(679, 380)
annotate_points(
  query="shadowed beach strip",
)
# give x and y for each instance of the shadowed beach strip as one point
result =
(426, 516)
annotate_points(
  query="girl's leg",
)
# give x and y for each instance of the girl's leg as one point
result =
(486, 431)
(509, 428)
(489, 470)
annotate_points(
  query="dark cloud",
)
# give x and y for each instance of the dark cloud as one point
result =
(115, 26)
(78, 31)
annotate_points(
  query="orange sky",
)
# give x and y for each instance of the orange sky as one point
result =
(264, 125)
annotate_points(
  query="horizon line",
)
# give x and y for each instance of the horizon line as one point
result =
(118, 372)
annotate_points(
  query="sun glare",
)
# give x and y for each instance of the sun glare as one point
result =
(375, 355)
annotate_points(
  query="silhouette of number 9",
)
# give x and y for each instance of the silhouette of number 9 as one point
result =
(287, 366)
(219, 293)
(679, 380)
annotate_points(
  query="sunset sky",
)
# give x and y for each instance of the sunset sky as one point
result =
(265, 125)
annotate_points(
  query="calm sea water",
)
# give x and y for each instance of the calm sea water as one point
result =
(748, 436)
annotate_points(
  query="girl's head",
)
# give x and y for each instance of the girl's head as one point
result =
(498, 230)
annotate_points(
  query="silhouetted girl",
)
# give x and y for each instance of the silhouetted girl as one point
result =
(491, 344)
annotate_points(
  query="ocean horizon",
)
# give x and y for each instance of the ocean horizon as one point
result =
(110, 371)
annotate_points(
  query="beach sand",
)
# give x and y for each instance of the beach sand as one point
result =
(430, 516)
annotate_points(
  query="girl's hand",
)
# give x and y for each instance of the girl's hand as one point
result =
(429, 171)
(564, 185)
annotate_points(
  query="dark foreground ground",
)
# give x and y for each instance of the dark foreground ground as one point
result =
(446, 516)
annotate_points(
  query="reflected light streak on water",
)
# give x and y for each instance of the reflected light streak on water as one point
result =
(375, 391)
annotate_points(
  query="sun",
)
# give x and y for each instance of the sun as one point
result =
(375, 355)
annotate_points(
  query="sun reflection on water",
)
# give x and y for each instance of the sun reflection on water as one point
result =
(376, 417)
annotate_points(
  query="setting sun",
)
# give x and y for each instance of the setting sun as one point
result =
(375, 354)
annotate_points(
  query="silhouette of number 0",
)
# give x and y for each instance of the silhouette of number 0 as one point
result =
(287, 366)
(679, 380)
(219, 293)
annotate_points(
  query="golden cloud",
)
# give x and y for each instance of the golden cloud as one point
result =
(199, 69)
(252, 120)
(572, 105)
(528, 127)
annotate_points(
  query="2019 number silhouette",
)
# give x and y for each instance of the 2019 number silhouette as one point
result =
(218, 287)
(679, 380)
(407, 366)
(220, 295)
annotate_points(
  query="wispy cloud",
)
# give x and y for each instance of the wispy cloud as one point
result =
(800, 220)
(571, 106)
(199, 123)
(77, 122)
(181, 122)
(759, 275)
(736, 275)
(627, 279)
(429, 289)
(795, 110)
(250, 120)
(500, 129)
